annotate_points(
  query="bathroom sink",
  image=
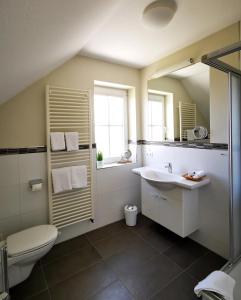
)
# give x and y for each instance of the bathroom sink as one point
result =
(165, 180)
(168, 180)
(157, 176)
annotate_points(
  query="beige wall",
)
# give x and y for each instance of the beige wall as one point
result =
(218, 82)
(172, 85)
(22, 118)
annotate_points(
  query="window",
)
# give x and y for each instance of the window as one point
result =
(156, 117)
(110, 106)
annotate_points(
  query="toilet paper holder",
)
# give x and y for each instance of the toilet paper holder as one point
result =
(36, 184)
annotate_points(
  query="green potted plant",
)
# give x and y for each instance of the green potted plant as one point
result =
(99, 159)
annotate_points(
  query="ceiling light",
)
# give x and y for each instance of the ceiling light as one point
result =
(159, 13)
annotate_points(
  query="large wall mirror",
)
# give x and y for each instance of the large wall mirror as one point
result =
(179, 105)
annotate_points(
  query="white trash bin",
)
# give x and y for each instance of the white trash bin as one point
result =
(130, 215)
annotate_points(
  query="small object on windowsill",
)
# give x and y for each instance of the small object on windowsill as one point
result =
(124, 161)
(194, 177)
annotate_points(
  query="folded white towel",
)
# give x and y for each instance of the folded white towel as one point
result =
(57, 141)
(199, 173)
(79, 177)
(217, 282)
(191, 173)
(72, 141)
(61, 179)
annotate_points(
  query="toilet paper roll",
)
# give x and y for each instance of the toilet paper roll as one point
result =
(36, 187)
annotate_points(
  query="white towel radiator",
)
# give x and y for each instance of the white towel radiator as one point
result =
(187, 118)
(69, 110)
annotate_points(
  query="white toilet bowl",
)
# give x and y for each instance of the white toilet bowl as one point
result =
(25, 248)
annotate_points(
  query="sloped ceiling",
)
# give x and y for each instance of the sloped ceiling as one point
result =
(198, 89)
(196, 81)
(36, 36)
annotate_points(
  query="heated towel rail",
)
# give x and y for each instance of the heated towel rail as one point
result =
(187, 118)
(69, 110)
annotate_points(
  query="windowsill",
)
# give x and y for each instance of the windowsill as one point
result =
(112, 165)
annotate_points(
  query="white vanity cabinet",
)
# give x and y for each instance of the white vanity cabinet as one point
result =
(175, 208)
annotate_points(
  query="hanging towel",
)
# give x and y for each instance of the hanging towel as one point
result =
(217, 282)
(61, 179)
(79, 177)
(72, 141)
(57, 141)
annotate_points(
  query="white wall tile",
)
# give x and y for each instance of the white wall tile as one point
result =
(9, 200)
(32, 166)
(30, 201)
(10, 225)
(9, 170)
(34, 218)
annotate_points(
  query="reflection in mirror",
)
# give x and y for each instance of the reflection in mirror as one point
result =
(179, 102)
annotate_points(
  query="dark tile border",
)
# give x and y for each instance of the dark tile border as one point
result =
(27, 150)
(195, 145)
(9, 151)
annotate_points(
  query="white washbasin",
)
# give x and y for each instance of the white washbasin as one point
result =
(168, 180)
(157, 176)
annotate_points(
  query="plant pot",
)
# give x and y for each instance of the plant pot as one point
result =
(99, 163)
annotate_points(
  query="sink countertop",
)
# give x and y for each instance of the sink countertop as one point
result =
(182, 182)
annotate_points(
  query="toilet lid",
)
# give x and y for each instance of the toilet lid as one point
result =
(30, 239)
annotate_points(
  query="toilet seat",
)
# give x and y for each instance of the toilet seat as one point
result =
(30, 240)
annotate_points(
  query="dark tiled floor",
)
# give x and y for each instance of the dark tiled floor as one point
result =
(117, 262)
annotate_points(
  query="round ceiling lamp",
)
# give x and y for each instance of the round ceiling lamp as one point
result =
(159, 13)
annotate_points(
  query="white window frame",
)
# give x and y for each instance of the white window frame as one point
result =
(111, 91)
(158, 98)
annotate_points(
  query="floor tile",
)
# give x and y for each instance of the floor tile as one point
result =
(84, 284)
(134, 255)
(106, 231)
(142, 221)
(147, 279)
(115, 291)
(116, 244)
(65, 248)
(69, 265)
(179, 289)
(42, 296)
(185, 252)
(158, 236)
(206, 264)
(31, 286)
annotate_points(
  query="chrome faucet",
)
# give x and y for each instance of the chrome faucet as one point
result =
(168, 165)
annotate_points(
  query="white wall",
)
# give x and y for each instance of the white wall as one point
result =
(21, 208)
(213, 199)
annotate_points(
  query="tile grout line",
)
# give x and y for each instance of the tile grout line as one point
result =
(103, 259)
(149, 244)
(40, 291)
(43, 273)
(113, 271)
(185, 270)
(167, 284)
(64, 255)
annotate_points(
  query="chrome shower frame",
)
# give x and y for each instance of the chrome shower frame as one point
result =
(213, 59)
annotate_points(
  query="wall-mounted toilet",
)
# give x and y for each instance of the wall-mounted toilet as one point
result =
(25, 248)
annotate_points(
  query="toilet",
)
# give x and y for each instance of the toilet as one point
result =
(25, 248)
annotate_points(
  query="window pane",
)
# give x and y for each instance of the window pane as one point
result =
(116, 141)
(149, 133)
(102, 139)
(101, 110)
(157, 113)
(157, 133)
(116, 110)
